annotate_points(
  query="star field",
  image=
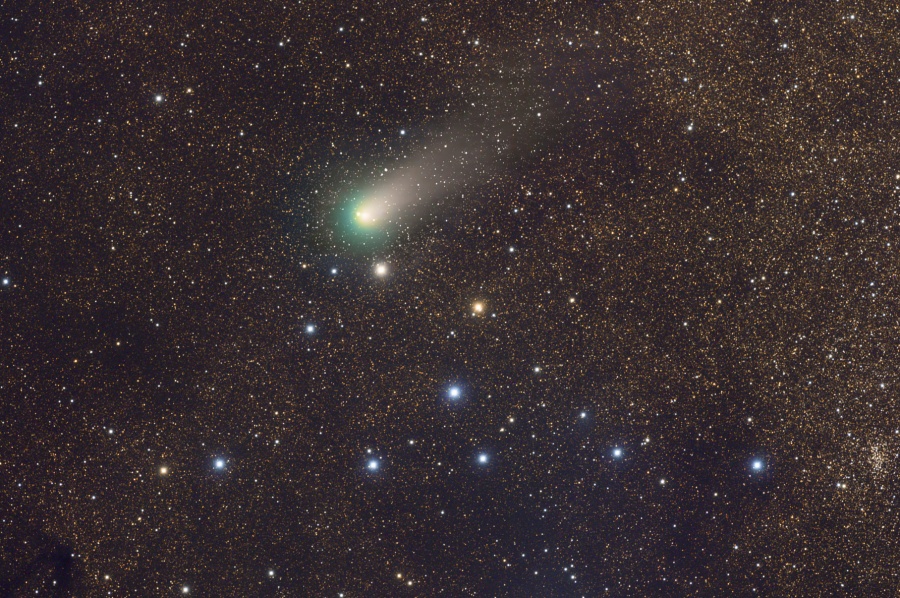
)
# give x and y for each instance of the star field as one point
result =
(450, 299)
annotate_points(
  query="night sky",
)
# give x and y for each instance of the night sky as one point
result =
(531, 299)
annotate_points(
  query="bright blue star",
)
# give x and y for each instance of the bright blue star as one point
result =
(454, 392)
(220, 464)
(310, 328)
(373, 465)
(757, 465)
(617, 453)
(483, 458)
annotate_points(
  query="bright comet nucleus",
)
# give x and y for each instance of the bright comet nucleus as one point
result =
(368, 215)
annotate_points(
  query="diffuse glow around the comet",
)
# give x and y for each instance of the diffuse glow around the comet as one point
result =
(441, 170)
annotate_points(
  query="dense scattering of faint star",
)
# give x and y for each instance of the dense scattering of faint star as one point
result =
(450, 299)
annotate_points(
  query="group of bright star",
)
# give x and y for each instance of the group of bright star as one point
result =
(454, 395)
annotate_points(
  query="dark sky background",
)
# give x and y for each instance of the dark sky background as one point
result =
(648, 348)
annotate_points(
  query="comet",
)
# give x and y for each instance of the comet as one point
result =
(442, 165)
